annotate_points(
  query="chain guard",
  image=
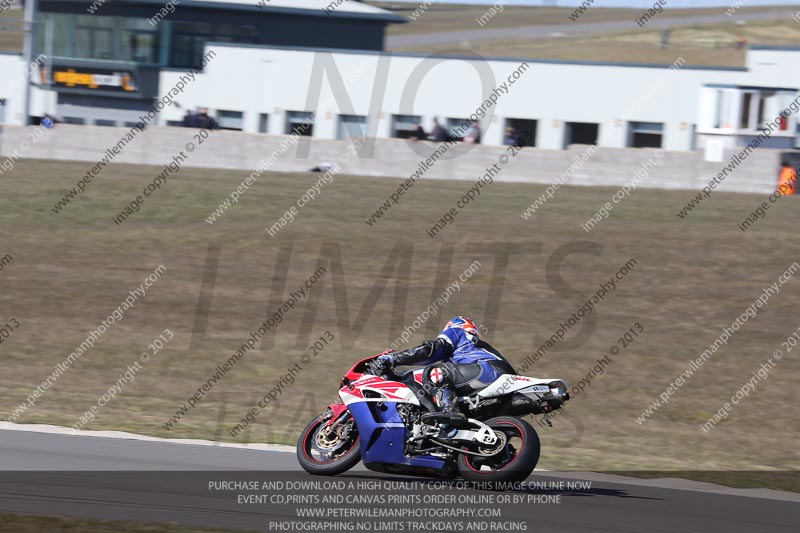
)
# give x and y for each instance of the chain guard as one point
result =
(487, 441)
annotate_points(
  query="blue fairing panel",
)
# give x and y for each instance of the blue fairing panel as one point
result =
(383, 436)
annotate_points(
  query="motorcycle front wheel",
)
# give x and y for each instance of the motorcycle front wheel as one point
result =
(329, 451)
(514, 461)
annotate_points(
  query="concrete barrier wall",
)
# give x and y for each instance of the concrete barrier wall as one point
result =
(391, 157)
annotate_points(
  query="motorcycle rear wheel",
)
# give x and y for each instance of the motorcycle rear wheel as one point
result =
(514, 462)
(325, 452)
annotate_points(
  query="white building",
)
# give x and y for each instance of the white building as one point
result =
(268, 88)
(560, 103)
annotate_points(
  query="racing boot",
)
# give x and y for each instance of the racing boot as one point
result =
(448, 414)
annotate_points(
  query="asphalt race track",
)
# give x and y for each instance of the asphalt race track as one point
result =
(154, 481)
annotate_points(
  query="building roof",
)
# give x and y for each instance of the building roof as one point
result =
(480, 58)
(345, 6)
(761, 88)
(778, 47)
(322, 8)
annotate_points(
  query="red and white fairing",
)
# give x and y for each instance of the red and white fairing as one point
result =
(510, 383)
(382, 390)
(389, 391)
(364, 387)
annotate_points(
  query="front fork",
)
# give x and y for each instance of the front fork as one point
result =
(339, 410)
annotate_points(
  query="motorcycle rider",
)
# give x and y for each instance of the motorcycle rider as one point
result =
(458, 360)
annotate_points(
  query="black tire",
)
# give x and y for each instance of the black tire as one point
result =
(345, 457)
(514, 462)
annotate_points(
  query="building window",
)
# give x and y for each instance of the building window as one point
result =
(351, 126)
(520, 131)
(104, 122)
(770, 106)
(114, 38)
(300, 123)
(797, 136)
(230, 120)
(645, 134)
(74, 120)
(719, 110)
(457, 128)
(747, 103)
(762, 105)
(723, 114)
(187, 50)
(263, 123)
(189, 39)
(405, 126)
(581, 133)
(744, 109)
(93, 42)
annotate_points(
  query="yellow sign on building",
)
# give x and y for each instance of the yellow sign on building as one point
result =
(71, 78)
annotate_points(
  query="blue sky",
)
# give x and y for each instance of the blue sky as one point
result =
(623, 3)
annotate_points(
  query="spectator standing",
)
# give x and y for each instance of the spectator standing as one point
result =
(193, 119)
(512, 138)
(473, 134)
(439, 134)
(188, 118)
(205, 120)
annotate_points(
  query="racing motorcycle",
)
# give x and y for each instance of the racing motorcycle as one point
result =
(380, 422)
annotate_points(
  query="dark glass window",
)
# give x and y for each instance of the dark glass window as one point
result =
(581, 133)
(189, 40)
(99, 37)
(300, 122)
(645, 134)
(520, 131)
(404, 126)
